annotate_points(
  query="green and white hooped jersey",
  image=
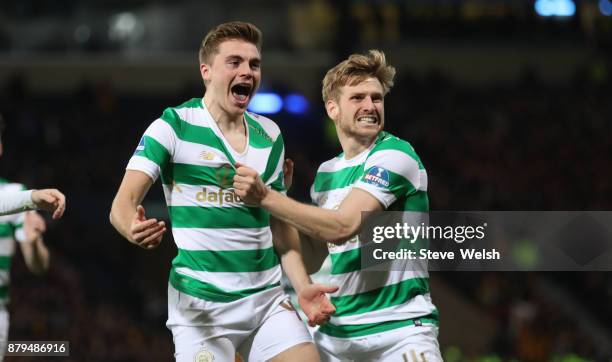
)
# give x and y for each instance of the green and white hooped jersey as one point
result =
(11, 229)
(371, 302)
(225, 250)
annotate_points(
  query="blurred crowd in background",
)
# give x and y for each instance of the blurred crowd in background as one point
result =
(523, 143)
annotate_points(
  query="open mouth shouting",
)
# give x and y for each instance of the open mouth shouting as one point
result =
(241, 93)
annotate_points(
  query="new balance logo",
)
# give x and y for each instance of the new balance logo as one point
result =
(207, 155)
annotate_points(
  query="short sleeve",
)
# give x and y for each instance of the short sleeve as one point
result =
(389, 174)
(155, 149)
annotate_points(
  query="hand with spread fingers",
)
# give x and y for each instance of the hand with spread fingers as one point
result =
(146, 233)
(51, 200)
(315, 304)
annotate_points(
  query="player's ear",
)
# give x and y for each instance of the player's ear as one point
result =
(205, 72)
(332, 109)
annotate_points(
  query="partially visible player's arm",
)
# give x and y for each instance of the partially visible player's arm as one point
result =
(36, 255)
(128, 216)
(335, 226)
(314, 253)
(12, 202)
(311, 296)
(287, 245)
(48, 199)
(33, 248)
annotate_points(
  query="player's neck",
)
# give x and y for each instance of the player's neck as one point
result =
(353, 146)
(227, 122)
(232, 127)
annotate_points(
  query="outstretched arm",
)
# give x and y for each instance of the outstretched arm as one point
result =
(314, 253)
(311, 296)
(128, 216)
(335, 226)
(51, 200)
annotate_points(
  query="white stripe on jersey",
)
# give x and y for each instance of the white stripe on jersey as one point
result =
(417, 307)
(334, 197)
(397, 162)
(163, 133)
(193, 195)
(199, 154)
(222, 239)
(194, 116)
(359, 281)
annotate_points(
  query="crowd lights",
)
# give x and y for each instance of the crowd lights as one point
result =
(272, 103)
(559, 8)
(605, 6)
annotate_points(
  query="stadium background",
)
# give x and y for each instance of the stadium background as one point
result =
(508, 103)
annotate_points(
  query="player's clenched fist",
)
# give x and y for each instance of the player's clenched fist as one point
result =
(146, 233)
(248, 185)
(51, 200)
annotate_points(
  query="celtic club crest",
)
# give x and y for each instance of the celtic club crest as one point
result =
(225, 176)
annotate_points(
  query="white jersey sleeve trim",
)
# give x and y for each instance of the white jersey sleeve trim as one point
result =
(143, 164)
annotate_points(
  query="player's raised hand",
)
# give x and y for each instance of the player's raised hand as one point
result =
(146, 233)
(248, 185)
(288, 172)
(315, 304)
(33, 226)
(51, 200)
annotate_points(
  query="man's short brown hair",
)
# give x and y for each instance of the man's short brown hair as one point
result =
(356, 69)
(227, 31)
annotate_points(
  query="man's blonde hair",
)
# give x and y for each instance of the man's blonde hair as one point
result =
(356, 69)
(228, 31)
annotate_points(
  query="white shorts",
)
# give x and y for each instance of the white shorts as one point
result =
(406, 344)
(258, 327)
